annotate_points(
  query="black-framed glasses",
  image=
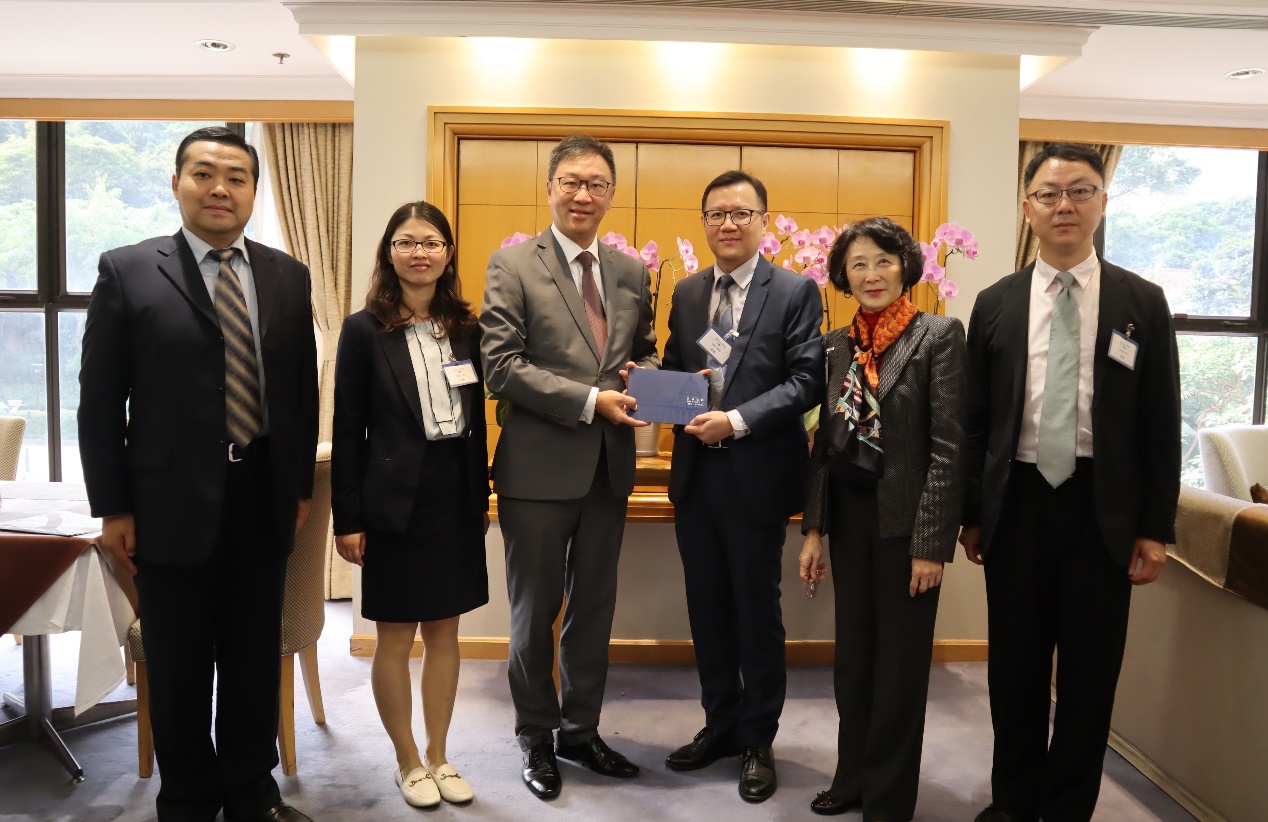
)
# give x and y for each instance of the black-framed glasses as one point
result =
(739, 216)
(571, 185)
(409, 246)
(1052, 196)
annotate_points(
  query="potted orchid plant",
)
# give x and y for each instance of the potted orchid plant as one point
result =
(949, 238)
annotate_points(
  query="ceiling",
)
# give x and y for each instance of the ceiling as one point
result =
(1158, 73)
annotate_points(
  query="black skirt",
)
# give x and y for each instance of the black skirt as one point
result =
(437, 569)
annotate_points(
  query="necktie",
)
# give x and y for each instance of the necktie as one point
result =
(1058, 420)
(242, 379)
(594, 304)
(723, 320)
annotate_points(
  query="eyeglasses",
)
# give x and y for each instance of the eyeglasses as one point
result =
(571, 185)
(1052, 196)
(409, 246)
(739, 216)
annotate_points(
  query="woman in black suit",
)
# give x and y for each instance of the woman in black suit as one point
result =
(409, 475)
(891, 497)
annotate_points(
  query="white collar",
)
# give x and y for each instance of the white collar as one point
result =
(571, 249)
(200, 247)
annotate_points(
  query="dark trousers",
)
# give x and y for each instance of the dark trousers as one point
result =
(884, 646)
(553, 548)
(221, 618)
(1050, 583)
(731, 556)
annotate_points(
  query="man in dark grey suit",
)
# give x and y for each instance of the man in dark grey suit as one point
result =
(1073, 479)
(563, 315)
(739, 472)
(198, 435)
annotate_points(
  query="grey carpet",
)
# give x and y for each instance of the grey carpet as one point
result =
(345, 766)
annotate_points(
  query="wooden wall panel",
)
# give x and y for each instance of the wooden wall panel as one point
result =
(498, 172)
(674, 176)
(665, 226)
(482, 229)
(796, 179)
(876, 182)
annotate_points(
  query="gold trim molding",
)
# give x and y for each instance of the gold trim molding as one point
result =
(1144, 134)
(232, 111)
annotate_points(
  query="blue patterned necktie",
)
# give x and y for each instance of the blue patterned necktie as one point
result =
(242, 378)
(1058, 420)
(722, 320)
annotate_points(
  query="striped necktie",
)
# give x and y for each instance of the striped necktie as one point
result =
(723, 320)
(1058, 419)
(595, 315)
(242, 379)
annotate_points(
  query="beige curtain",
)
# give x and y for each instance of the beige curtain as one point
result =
(311, 167)
(1027, 245)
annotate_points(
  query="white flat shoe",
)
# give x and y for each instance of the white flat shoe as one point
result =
(453, 787)
(418, 787)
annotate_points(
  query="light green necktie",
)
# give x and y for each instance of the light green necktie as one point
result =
(1058, 421)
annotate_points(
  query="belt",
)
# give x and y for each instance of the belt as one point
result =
(256, 449)
(721, 444)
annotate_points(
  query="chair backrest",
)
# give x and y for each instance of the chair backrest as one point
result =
(11, 430)
(1234, 457)
(303, 606)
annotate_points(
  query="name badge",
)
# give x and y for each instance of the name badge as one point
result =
(460, 373)
(715, 344)
(1123, 349)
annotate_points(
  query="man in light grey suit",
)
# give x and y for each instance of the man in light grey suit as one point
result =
(563, 316)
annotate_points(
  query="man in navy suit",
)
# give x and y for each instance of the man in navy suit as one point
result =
(739, 472)
(198, 435)
(1071, 489)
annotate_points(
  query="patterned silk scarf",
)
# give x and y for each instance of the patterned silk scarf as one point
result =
(855, 428)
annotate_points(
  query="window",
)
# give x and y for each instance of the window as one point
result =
(68, 192)
(1193, 220)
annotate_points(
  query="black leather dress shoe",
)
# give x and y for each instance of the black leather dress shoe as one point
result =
(757, 774)
(708, 747)
(541, 771)
(281, 812)
(826, 804)
(595, 754)
(992, 814)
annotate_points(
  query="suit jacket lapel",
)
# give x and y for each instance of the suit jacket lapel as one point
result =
(693, 296)
(899, 353)
(396, 348)
(552, 256)
(758, 287)
(180, 267)
(1112, 313)
(1014, 328)
(264, 272)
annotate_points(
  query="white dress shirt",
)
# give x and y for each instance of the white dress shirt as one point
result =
(1086, 291)
(571, 251)
(442, 404)
(743, 276)
(209, 267)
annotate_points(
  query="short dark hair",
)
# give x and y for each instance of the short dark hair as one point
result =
(219, 134)
(890, 237)
(731, 178)
(1074, 152)
(580, 145)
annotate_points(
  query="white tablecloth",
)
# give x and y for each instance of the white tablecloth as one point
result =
(86, 598)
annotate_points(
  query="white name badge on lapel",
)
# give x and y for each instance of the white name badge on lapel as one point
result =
(1123, 349)
(460, 373)
(715, 344)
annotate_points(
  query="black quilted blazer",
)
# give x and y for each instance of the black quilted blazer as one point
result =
(922, 395)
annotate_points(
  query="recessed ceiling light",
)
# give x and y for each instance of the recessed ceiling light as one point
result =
(215, 45)
(1244, 74)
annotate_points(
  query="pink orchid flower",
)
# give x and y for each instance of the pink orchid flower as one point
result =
(690, 263)
(515, 239)
(824, 237)
(787, 264)
(930, 251)
(817, 273)
(769, 245)
(959, 239)
(933, 273)
(684, 248)
(947, 289)
(970, 251)
(944, 231)
(800, 239)
(632, 251)
(649, 255)
(614, 240)
(785, 225)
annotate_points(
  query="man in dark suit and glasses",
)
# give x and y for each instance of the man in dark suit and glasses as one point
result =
(198, 434)
(563, 316)
(1073, 481)
(739, 473)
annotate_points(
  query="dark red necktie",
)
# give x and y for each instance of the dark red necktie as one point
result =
(594, 303)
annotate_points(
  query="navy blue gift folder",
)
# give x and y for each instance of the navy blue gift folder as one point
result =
(674, 397)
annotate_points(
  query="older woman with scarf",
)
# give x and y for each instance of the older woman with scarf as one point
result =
(886, 478)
